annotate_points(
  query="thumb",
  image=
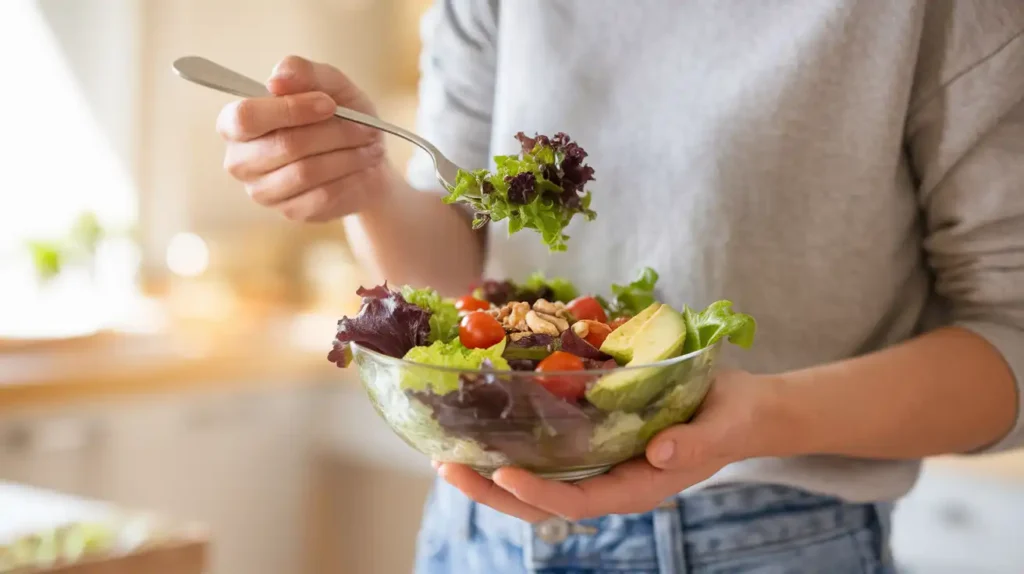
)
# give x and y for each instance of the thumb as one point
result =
(681, 447)
(294, 75)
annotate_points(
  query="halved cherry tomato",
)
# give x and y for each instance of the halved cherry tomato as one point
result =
(615, 324)
(564, 386)
(468, 303)
(587, 308)
(478, 330)
(597, 333)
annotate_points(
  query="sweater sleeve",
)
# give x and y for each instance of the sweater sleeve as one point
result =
(965, 138)
(456, 90)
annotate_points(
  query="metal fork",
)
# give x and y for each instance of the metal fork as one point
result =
(212, 75)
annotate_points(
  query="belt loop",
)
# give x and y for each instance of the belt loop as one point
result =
(882, 512)
(669, 537)
(471, 521)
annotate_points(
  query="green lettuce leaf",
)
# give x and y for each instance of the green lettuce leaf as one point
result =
(444, 317)
(452, 355)
(718, 321)
(561, 289)
(628, 300)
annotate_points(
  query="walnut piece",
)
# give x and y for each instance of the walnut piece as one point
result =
(513, 316)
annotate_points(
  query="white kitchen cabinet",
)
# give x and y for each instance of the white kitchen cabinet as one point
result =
(238, 462)
(55, 450)
(953, 522)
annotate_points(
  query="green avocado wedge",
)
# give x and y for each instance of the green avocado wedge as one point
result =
(619, 343)
(661, 336)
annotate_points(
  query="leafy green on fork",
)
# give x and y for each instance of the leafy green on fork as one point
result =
(541, 189)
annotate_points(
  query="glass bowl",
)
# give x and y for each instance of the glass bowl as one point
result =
(507, 418)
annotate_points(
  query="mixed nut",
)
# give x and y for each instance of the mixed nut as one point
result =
(545, 317)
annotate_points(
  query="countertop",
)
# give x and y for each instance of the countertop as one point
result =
(284, 348)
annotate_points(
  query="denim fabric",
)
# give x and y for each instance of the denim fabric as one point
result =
(733, 529)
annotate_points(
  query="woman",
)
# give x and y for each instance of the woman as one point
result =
(847, 172)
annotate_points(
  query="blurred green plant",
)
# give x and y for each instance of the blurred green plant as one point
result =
(51, 256)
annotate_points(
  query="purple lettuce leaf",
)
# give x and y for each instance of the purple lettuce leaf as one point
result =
(595, 365)
(522, 364)
(496, 292)
(386, 323)
(513, 415)
(573, 343)
(521, 188)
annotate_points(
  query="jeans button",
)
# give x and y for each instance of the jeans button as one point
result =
(553, 530)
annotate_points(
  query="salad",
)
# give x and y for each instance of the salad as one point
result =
(542, 188)
(534, 373)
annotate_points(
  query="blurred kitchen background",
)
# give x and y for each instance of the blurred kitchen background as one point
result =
(163, 340)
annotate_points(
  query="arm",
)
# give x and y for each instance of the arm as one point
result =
(408, 235)
(949, 391)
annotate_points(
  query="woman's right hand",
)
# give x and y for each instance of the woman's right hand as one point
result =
(293, 155)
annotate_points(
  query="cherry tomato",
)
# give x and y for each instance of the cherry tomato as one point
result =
(597, 333)
(478, 330)
(587, 308)
(565, 386)
(468, 303)
(618, 322)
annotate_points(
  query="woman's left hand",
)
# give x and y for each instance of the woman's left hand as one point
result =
(733, 424)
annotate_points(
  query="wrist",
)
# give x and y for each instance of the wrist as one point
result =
(776, 424)
(795, 422)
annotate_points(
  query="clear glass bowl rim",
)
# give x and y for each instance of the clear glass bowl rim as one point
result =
(404, 364)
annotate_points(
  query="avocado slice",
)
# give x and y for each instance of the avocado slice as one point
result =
(660, 337)
(675, 407)
(619, 343)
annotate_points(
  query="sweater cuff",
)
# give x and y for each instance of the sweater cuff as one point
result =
(1009, 341)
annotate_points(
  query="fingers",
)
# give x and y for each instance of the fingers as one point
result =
(329, 201)
(293, 75)
(248, 119)
(488, 493)
(318, 171)
(679, 447)
(252, 159)
(630, 487)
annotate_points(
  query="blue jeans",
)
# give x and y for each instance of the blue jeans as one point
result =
(734, 529)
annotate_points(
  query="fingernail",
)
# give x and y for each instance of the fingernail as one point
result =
(662, 452)
(280, 72)
(323, 106)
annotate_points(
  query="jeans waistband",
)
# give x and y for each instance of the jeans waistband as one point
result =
(722, 520)
(729, 520)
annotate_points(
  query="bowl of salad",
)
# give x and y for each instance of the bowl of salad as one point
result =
(534, 374)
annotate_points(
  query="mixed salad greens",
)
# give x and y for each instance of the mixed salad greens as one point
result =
(59, 546)
(531, 369)
(541, 188)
